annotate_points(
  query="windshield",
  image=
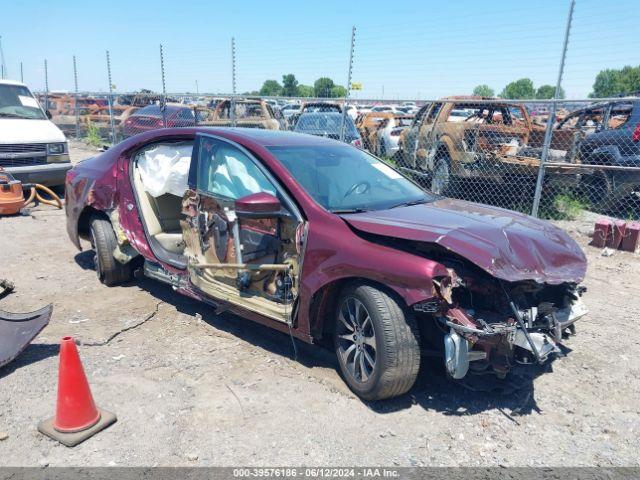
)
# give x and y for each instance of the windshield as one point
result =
(16, 101)
(344, 178)
(325, 124)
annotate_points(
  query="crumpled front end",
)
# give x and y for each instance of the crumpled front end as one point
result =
(490, 326)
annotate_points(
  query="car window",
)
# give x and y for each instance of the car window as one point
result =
(433, 113)
(226, 171)
(343, 178)
(16, 101)
(619, 115)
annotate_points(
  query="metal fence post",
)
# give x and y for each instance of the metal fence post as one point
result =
(46, 86)
(76, 105)
(232, 109)
(552, 115)
(350, 71)
(3, 65)
(112, 122)
(163, 107)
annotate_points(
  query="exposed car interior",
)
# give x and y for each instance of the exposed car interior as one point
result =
(160, 174)
(204, 229)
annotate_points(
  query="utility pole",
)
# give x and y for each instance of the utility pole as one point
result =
(232, 112)
(350, 71)
(552, 115)
(112, 122)
(197, 89)
(3, 65)
(21, 73)
(76, 103)
(163, 107)
(46, 86)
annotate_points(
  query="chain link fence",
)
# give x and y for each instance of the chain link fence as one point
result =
(479, 149)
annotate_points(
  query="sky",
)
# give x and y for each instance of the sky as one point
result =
(403, 49)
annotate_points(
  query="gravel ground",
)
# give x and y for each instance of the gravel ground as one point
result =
(192, 388)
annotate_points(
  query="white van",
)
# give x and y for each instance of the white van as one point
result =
(32, 148)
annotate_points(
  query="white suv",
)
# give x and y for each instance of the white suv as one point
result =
(32, 148)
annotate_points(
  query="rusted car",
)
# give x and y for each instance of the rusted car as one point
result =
(249, 113)
(367, 123)
(384, 140)
(323, 241)
(470, 137)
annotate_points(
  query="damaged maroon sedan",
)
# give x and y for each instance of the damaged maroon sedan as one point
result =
(322, 240)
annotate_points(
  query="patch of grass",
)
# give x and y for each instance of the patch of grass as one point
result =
(93, 135)
(566, 206)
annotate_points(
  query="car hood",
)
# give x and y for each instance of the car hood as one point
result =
(17, 130)
(508, 245)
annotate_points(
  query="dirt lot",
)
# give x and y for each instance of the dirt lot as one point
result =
(193, 388)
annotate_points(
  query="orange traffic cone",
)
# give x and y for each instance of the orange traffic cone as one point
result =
(77, 417)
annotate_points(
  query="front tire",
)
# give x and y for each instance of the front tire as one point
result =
(103, 240)
(441, 177)
(376, 342)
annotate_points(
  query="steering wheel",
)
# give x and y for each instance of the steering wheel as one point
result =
(359, 188)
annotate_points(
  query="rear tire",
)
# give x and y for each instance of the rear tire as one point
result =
(376, 342)
(103, 240)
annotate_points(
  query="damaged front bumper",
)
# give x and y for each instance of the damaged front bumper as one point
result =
(526, 337)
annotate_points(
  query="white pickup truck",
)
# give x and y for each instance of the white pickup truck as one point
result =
(32, 148)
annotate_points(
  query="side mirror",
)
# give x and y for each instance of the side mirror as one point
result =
(48, 114)
(259, 205)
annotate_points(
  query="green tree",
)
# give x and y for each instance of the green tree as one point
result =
(271, 88)
(338, 91)
(611, 82)
(305, 91)
(547, 91)
(322, 87)
(519, 89)
(484, 91)
(289, 85)
(630, 80)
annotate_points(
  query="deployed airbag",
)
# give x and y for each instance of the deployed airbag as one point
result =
(165, 168)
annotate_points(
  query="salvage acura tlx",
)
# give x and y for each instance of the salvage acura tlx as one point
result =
(323, 241)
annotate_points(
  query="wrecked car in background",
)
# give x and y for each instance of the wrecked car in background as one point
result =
(248, 113)
(469, 137)
(368, 123)
(321, 240)
(384, 140)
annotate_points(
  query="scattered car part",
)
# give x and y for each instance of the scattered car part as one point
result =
(17, 330)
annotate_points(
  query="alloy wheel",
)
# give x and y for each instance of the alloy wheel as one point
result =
(356, 339)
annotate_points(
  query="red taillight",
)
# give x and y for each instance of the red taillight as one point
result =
(160, 122)
(356, 143)
(636, 134)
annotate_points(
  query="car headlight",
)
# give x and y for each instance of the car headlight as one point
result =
(56, 148)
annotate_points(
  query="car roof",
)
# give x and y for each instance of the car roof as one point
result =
(270, 138)
(11, 82)
(323, 114)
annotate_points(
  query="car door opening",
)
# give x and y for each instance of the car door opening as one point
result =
(160, 178)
